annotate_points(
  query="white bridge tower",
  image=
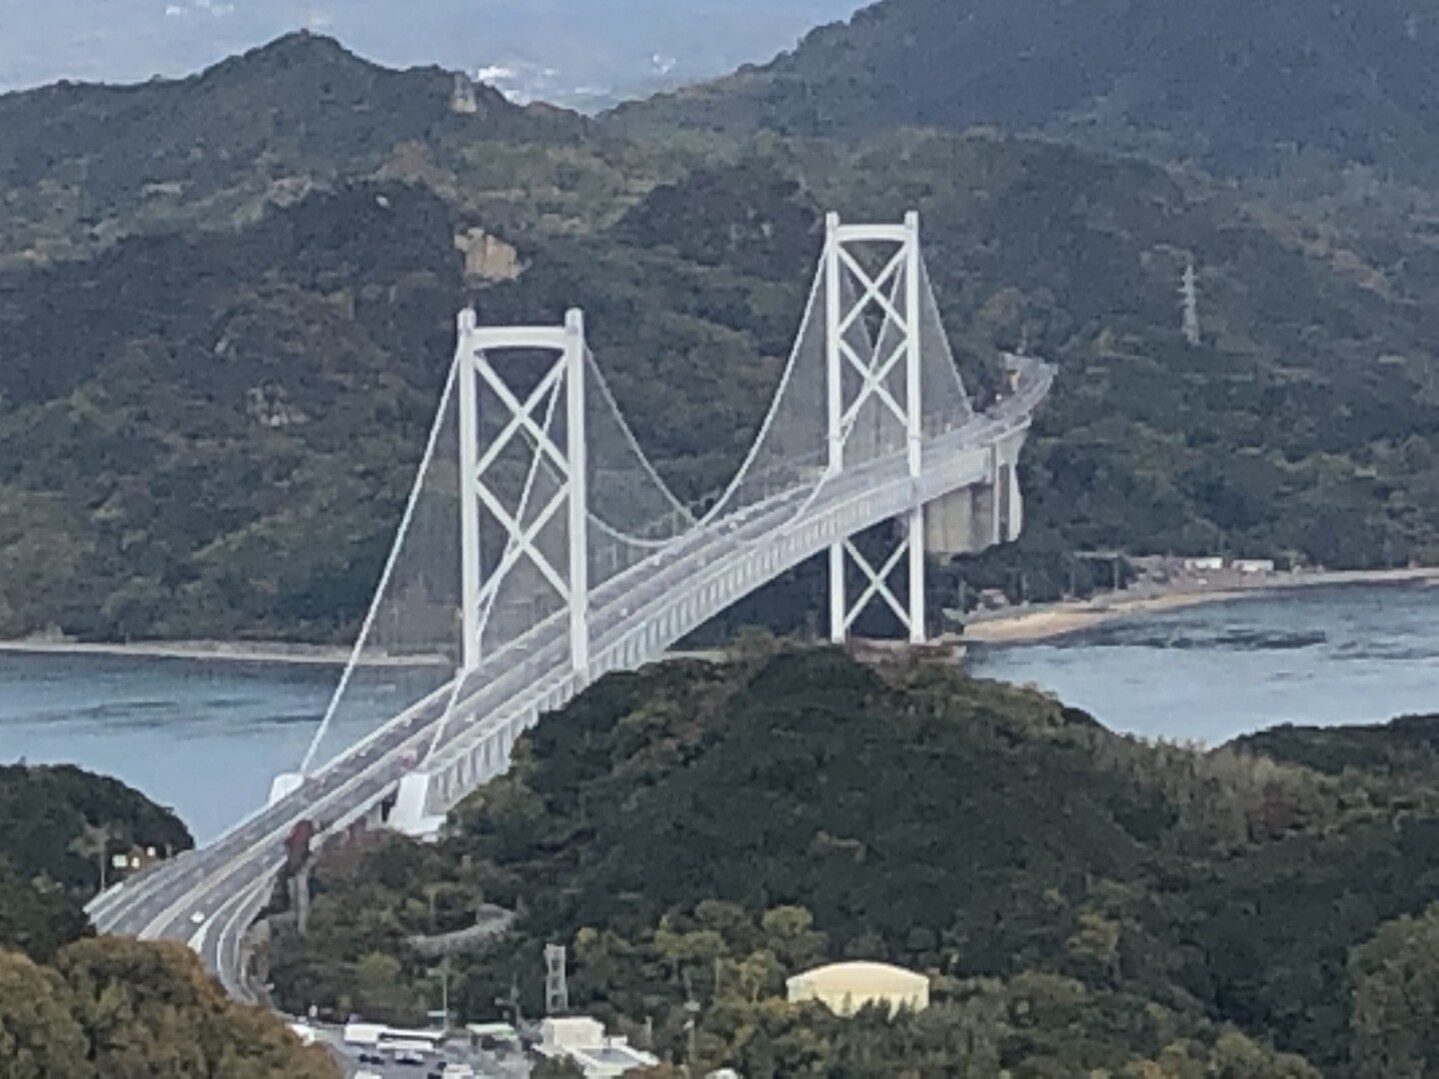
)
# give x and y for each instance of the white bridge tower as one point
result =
(853, 294)
(565, 376)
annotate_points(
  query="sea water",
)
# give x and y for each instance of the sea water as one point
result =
(206, 736)
(1321, 655)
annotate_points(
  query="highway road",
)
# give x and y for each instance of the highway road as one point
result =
(226, 883)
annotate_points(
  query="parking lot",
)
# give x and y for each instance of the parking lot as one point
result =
(487, 1065)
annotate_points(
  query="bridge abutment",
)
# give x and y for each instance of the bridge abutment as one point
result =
(284, 784)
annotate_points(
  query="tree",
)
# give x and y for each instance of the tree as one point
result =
(36, 916)
(94, 842)
(1395, 1018)
(381, 990)
(39, 1037)
(557, 1068)
(150, 1010)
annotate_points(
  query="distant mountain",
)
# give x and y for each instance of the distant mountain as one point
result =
(82, 165)
(226, 304)
(1237, 86)
(603, 45)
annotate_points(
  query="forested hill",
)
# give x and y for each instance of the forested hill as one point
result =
(77, 1006)
(1083, 903)
(84, 165)
(57, 823)
(212, 404)
(211, 434)
(1240, 87)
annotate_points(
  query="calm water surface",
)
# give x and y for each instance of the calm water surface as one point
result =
(1336, 655)
(206, 737)
(202, 737)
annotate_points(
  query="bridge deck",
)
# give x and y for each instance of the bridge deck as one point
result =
(633, 619)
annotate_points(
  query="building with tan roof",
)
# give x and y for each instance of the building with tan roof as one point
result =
(845, 988)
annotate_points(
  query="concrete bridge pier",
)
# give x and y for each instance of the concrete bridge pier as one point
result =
(426, 795)
(983, 515)
(284, 784)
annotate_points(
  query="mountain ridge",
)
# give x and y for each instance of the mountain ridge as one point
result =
(213, 149)
(182, 372)
(1201, 82)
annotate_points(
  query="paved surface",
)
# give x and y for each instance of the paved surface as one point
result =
(487, 1065)
(208, 897)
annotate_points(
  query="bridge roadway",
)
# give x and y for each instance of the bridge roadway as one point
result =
(229, 881)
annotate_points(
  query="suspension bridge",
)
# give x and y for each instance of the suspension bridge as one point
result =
(539, 550)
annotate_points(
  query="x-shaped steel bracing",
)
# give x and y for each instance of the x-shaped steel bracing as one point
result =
(562, 381)
(900, 275)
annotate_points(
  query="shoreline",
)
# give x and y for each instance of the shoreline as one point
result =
(266, 652)
(1007, 626)
(1047, 622)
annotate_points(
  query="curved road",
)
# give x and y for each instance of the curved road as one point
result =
(226, 883)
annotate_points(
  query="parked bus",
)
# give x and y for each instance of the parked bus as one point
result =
(424, 1041)
(392, 1038)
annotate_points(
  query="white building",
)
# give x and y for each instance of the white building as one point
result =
(1211, 564)
(583, 1040)
(1254, 565)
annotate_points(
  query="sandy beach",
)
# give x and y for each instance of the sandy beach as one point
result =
(1046, 621)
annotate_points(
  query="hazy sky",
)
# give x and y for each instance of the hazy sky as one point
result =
(603, 42)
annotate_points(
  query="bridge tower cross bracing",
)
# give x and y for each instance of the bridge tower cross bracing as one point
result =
(568, 462)
(901, 273)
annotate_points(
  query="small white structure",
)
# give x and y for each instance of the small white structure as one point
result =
(500, 1032)
(1205, 565)
(363, 1033)
(845, 988)
(583, 1041)
(304, 1032)
(1254, 565)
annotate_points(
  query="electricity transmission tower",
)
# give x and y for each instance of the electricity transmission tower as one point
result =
(1190, 291)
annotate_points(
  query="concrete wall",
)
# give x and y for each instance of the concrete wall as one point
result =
(982, 515)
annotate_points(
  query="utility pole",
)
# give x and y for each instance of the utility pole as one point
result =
(512, 1002)
(444, 975)
(692, 1017)
(1189, 290)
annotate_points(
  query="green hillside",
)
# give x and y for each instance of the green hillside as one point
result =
(1081, 901)
(212, 435)
(57, 823)
(83, 166)
(212, 411)
(76, 1006)
(1237, 87)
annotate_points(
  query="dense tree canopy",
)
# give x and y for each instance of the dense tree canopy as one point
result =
(1201, 83)
(59, 827)
(119, 1009)
(1079, 900)
(217, 368)
(109, 1008)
